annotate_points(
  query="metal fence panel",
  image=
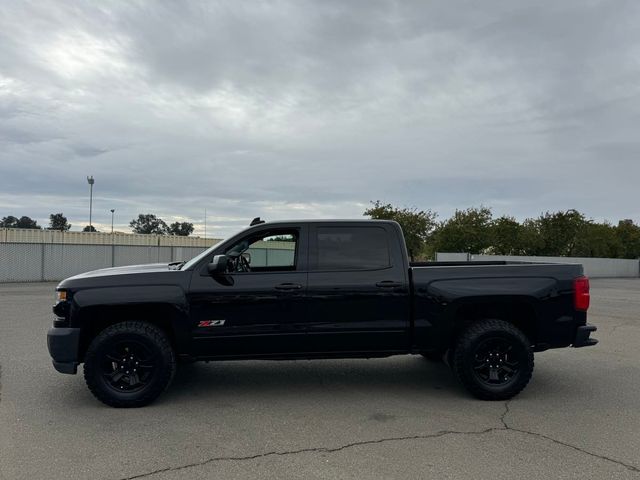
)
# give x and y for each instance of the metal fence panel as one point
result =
(62, 261)
(258, 256)
(21, 262)
(35, 262)
(452, 257)
(165, 254)
(593, 267)
(183, 254)
(133, 255)
(26, 235)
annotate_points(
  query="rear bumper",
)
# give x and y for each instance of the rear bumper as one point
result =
(63, 344)
(582, 336)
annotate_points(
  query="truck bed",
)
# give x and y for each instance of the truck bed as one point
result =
(538, 296)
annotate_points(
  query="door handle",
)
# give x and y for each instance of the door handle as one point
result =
(388, 284)
(288, 286)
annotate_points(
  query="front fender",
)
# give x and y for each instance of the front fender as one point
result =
(164, 305)
(130, 295)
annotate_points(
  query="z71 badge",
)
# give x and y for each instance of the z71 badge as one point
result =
(211, 323)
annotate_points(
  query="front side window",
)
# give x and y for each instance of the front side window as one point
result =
(265, 252)
(351, 248)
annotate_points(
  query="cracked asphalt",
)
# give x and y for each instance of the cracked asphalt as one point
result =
(400, 417)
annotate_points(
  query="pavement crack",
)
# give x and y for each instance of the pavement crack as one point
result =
(506, 426)
(441, 433)
(628, 466)
(503, 417)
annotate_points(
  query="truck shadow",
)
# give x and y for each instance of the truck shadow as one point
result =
(403, 375)
(231, 382)
(306, 377)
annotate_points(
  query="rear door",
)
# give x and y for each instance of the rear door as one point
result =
(358, 288)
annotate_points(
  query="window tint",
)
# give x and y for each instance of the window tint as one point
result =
(351, 248)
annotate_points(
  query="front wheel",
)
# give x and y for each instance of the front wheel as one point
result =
(493, 360)
(129, 364)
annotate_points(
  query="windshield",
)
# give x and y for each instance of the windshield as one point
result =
(199, 257)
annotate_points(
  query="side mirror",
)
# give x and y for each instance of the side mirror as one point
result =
(218, 265)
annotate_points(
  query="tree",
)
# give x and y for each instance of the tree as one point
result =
(22, 222)
(9, 222)
(280, 238)
(598, 240)
(467, 231)
(506, 236)
(89, 228)
(182, 229)
(559, 232)
(628, 234)
(57, 221)
(530, 238)
(417, 225)
(148, 224)
(26, 222)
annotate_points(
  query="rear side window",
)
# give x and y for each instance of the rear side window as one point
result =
(351, 248)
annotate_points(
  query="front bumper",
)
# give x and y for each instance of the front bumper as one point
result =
(582, 336)
(63, 344)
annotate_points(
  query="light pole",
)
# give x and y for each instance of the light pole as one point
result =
(91, 182)
(112, 210)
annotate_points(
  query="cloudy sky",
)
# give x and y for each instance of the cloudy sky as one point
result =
(312, 109)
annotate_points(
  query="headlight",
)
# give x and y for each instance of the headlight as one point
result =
(61, 309)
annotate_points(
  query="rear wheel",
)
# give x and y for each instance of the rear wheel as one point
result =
(129, 364)
(493, 360)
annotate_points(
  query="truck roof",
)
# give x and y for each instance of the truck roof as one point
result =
(326, 220)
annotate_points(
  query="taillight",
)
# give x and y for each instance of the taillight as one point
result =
(581, 295)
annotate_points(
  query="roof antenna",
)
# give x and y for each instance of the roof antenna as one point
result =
(256, 221)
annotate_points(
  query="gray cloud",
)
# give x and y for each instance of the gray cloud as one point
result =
(311, 109)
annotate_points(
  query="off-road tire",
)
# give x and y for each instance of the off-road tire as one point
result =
(469, 352)
(142, 335)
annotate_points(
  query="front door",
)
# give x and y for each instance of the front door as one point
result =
(259, 306)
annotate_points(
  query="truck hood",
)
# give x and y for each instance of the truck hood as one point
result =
(127, 270)
(131, 274)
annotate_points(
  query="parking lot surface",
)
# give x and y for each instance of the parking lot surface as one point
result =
(400, 417)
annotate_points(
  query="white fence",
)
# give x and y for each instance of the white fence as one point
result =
(40, 262)
(30, 255)
(28, 235)
(593, 267)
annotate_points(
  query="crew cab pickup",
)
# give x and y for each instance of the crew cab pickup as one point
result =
(315, 289)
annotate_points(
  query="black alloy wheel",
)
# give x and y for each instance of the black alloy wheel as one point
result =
(493, 359)
(129, 364)
(496, 362)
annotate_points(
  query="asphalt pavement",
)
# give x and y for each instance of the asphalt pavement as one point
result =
(401, 417)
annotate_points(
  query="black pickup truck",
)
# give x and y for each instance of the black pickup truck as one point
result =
(315, 289)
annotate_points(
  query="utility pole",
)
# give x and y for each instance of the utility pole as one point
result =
(91, 181)
(112, 210)
(205, 223)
